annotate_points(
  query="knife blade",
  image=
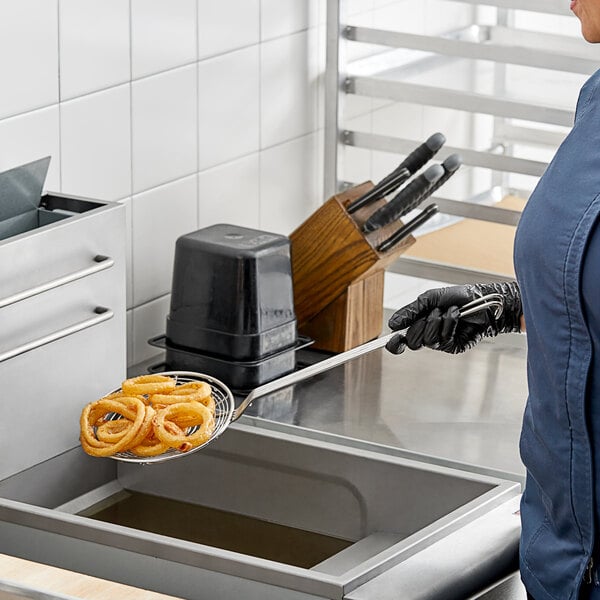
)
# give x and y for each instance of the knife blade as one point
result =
(417, 159)
(416, 189)
(407, 229)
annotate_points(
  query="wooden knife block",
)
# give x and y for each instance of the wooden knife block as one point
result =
(338, 273)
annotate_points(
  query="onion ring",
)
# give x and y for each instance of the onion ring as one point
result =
(194, 391)
(148, 384)
(112, 431)
(151, 446)
(201, 387)
(100, 408)
(121, 394)
(176, 396)
(200, 417)
(145, 428)
(204, 389)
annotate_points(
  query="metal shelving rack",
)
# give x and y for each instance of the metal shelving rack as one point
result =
(516, 121)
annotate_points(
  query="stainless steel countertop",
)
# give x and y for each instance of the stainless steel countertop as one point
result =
(466, 408)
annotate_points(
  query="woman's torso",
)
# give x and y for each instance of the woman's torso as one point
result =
(559, 502)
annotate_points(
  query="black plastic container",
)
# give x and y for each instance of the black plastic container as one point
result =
(232, 293)
(238, 375)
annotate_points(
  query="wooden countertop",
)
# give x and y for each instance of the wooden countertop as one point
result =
(51, 580)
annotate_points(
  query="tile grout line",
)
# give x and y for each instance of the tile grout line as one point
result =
(197, 115)
(129, 234)
(165, 183)
(131, 97)
(60, 149)
(96, 91)
(260, 103)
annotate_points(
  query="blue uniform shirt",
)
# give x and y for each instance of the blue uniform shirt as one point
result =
(560, 439)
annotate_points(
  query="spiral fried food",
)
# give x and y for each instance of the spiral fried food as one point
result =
(148, 416)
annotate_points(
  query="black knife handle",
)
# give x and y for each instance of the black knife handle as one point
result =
(405, 200)
(407, 229)
(450, 165)
(421, 155)
(383, 188)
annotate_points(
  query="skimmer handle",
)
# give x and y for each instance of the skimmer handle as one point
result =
(307, 372)
(489, 301)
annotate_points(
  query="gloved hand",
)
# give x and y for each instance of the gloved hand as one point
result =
(433, 318)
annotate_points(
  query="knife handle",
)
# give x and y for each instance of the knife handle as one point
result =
(450, 165)
(405, 200)
(384, 187)
(421, 155)
(407, 229)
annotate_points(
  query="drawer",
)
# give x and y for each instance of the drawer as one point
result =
(44, 390)
(48, 314)
(55, 255)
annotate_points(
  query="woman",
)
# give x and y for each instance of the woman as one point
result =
(557, 262)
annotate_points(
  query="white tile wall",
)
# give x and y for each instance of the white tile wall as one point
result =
(289, 87)
(164, 122)
(94, 45)
(282, 17)
(29, 51)
(228, 106)
(160, 216)
(163, 35)
(96, 144)
(230, 193)
(30, 136)
(148, 320)
(288, 184)
(227, 25)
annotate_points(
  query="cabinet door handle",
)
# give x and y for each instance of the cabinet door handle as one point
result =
(101, 314)
(100, 263)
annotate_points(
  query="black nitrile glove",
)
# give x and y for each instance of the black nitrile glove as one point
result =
(433, 318)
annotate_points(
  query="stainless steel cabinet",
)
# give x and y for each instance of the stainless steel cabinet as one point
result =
(62, 330)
